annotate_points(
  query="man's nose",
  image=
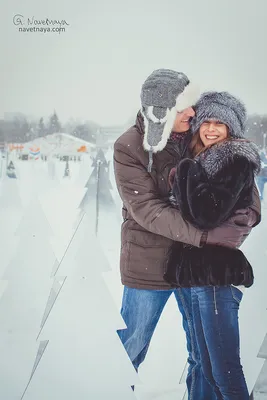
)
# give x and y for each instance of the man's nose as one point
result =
(190, 112)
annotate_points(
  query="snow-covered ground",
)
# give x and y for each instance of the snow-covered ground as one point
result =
(41, 223)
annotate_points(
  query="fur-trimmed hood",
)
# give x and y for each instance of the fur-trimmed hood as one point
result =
(220, 155)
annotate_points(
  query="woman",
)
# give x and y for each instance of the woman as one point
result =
(209, 189)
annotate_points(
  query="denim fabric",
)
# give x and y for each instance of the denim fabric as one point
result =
(141, 310)
(215, 317)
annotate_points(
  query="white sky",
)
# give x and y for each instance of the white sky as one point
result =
(96, 68)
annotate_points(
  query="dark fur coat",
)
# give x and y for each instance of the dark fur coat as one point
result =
(208, 190)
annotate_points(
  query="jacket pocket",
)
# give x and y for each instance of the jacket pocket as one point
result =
(145, 253)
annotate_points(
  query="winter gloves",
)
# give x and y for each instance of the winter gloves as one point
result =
(228, 234)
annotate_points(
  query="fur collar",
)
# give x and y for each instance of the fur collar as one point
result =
(218, 156)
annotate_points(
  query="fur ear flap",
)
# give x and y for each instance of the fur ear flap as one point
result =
(161, 128)
(188, 97)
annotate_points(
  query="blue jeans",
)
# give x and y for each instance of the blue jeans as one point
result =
(215, 316)
(261, 180)
(141, 310)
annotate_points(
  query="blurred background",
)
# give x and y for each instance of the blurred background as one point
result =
(70, 80)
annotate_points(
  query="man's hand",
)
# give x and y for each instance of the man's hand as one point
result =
(233, 232)
(228, 234)
(245, 217)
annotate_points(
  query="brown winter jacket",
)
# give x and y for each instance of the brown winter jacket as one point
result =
(150, 223)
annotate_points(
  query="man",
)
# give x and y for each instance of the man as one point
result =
(143, 158)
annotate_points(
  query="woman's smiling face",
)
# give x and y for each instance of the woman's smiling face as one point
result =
(213, 131)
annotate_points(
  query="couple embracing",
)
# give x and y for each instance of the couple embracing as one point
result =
(185, 174)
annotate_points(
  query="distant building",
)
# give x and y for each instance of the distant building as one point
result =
(61, 145)
(107, 135)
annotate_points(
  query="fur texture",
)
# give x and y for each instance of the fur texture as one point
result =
(190, 266)
(224, 107)
(188, 97)
(208, 190)
(207, 203)
(158, 130)
(164, 93)
(217, 157)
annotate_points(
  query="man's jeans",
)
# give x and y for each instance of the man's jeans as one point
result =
(141, 310)
(215, 316)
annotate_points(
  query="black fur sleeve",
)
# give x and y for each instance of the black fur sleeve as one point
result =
(207, 202)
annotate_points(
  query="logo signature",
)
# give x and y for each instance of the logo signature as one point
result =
(33, 24)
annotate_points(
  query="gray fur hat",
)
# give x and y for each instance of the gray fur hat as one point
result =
(164, 93)
(223, 107)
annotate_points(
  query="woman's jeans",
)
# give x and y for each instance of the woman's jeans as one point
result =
(215, 317)
(141, 310)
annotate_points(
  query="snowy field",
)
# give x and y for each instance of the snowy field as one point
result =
(60, 297)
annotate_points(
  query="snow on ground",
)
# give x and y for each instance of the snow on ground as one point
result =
(162, 373)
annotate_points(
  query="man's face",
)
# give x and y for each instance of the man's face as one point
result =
(181, 123)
